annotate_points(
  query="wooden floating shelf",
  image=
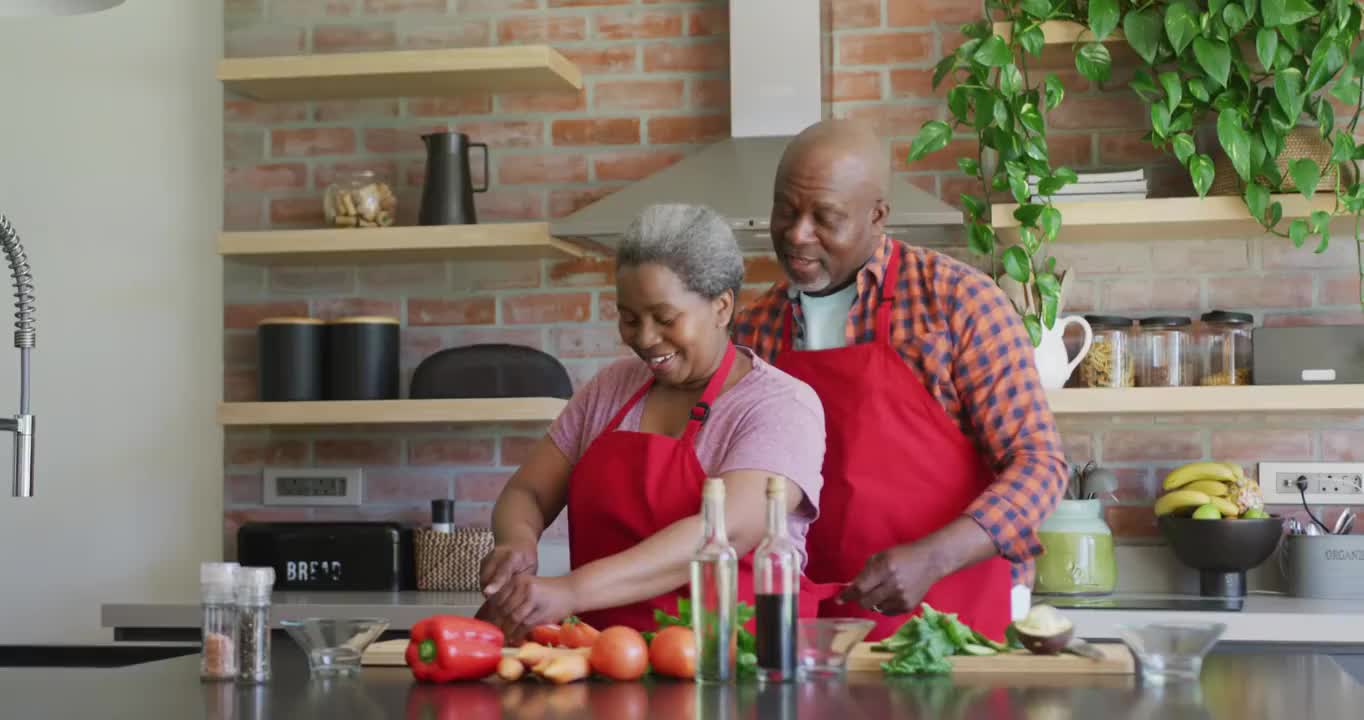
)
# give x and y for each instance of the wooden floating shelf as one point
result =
(1060, 32)
(495, 241)
(1183, 217)
(370, 412)
(1200, 400)
(401, 73)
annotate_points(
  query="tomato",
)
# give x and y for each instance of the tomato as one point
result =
(575, 633)
(620, 653)
(545, 634)
(673, 652)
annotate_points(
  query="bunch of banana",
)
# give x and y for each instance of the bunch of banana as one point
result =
(1210, 490)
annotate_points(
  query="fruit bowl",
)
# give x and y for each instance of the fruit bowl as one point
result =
(1222, 550)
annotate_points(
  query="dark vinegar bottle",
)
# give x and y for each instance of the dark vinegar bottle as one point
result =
(776, 581)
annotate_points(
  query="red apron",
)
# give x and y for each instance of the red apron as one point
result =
(896, 468)
(630, 485)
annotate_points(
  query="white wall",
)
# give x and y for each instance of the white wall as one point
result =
(111, 171)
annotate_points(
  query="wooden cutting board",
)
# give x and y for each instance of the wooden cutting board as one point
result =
(388, 652)
(1118, 660)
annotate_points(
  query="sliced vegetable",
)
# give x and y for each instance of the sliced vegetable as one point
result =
(566, 668)
(1044, 631)
(510, 669)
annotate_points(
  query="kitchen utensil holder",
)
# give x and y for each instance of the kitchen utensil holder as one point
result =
(450, 560)
(1324, 566)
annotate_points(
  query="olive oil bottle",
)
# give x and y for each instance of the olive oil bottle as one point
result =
(714, 590)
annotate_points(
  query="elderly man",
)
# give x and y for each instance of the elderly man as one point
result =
(942, 455)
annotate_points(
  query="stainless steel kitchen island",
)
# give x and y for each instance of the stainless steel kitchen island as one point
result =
(1232, 686)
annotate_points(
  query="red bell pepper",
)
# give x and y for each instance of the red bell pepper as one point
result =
(446, 648)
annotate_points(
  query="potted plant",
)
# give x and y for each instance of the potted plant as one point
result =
(1253, 70)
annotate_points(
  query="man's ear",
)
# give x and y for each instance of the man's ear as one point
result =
(880, 211)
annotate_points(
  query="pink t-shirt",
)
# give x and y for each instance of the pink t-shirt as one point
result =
(769, 422)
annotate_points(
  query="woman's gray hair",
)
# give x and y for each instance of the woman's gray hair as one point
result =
(693, 241)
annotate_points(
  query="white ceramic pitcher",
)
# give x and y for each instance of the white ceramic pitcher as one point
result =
(1052, 363)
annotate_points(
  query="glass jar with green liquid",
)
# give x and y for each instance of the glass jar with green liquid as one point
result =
(1077, 551)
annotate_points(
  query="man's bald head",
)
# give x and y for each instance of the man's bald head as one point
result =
(830, 203)
(846, 148)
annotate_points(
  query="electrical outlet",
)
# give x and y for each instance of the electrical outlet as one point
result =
(1327, 483)
(312, 486)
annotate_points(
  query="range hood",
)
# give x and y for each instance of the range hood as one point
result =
(775, 75)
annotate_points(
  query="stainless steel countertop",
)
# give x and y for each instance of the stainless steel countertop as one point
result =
(1232, 687)
(1266, 618)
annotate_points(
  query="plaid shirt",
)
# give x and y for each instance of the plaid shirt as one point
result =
(959, 334)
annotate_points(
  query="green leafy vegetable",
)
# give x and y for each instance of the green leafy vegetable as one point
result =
(925, 642)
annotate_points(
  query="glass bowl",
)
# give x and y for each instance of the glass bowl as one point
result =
(1171, 650)
(335, 645)
(824, 645)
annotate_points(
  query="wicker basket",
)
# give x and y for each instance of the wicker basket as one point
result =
(450, 561)
(1304, 141)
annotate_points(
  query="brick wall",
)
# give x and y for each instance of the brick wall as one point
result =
(656, 89)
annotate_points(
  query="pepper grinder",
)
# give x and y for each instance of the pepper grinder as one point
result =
(443, 515)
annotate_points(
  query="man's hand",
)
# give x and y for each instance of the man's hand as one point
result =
(894, 581)
(526, 601)
(506, 562)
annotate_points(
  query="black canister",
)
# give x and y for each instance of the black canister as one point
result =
(362, 358)
(289, 359)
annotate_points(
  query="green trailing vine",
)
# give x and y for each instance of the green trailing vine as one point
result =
(1249, 70)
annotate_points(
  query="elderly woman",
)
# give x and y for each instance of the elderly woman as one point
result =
(630, 452)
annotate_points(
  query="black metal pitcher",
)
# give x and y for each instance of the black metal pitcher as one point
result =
(448, 194)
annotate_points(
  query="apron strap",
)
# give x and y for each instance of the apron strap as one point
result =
(625, 409)
(700, 412)
(887, 301)
(784, 342)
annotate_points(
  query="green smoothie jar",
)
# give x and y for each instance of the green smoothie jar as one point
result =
(1077, 551)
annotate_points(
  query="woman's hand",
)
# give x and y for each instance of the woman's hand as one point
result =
(505, 562)
(526, 601)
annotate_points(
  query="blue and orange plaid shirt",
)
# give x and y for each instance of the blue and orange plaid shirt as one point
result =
(958, 332)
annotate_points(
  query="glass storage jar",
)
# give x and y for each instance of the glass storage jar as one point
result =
(359, 199)
(1225, 348)
(1110, 362)
(1078, 556)
(1166, 356)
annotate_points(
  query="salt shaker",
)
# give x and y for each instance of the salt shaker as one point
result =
(218, 607)
(254, 585)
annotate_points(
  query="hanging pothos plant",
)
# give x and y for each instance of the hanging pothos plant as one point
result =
(1254, 69)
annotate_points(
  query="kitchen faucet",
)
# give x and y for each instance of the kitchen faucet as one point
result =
(21, 424)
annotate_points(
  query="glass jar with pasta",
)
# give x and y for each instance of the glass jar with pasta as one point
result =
(1225, 348)
(1110, 362)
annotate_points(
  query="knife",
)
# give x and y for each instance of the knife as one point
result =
(1084, 649)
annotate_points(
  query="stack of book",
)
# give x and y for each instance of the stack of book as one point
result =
(1119, 185)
